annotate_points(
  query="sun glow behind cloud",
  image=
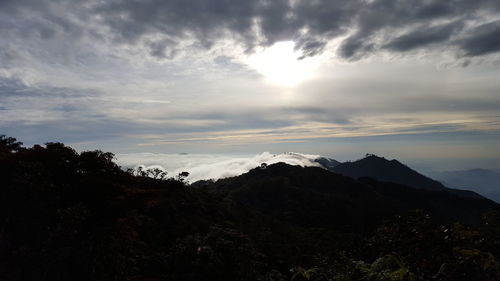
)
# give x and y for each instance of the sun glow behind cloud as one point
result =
(76, 72)
(281, 65)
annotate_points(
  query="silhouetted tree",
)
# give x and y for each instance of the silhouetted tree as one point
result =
(9, 144)
(140, 171)
(182, 176)
(98, 161)
(157, 173)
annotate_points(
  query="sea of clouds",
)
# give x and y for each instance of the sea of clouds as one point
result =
(206, 166)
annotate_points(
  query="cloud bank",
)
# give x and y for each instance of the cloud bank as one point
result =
(165, 29)
(205, 167)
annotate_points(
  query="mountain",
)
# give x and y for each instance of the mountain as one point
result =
(482, 181)
(327, 163)
(315, 197)
(387, 170)
(394, 171)
(66, 215)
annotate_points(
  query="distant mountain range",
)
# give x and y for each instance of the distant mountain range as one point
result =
(484, 182)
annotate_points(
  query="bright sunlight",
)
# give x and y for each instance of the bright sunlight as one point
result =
(280, 64)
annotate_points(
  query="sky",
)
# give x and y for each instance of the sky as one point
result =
(416, 80)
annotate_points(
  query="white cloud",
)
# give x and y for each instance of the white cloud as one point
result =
(204, 166)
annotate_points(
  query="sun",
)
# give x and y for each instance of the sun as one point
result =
(280, 64)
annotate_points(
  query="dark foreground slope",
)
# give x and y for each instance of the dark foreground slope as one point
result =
(71, 216)
(77, 216)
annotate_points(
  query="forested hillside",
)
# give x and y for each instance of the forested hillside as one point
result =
(78, 216)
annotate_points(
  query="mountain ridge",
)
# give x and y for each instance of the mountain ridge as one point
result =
(394, 171)
(277, 188)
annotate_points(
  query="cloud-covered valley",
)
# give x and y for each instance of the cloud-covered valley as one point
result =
(205, 167)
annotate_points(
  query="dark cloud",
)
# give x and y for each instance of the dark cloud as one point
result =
(12, 87)
(204, 19)
(363, 26)
(432, 10)
(312, 24)
(160, 48)
(310, 47)
(423, 36)
(355, 47)
(484, 39)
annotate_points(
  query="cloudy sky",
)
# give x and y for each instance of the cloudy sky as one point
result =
(408, 79)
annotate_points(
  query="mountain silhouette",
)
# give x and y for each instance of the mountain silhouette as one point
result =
(394, 171)
(313, 197)
(327, 163)
(387, 170)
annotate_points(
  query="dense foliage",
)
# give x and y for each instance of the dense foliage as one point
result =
(77, 216)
